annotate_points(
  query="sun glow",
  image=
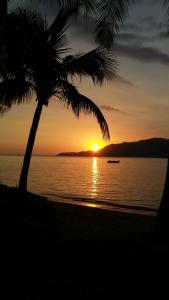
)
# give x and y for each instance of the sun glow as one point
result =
(95, 148)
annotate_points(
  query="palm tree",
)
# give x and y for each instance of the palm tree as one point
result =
(35, 64)
(107, 14)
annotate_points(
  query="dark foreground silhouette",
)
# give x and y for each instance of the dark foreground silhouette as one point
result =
(63, 251)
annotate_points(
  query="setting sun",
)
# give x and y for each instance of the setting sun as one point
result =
(95, 148)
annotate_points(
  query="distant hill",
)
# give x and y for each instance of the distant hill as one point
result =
(154, 147)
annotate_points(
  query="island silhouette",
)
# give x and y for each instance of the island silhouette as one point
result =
(153, 147)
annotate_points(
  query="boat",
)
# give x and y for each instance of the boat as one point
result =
(113, 161)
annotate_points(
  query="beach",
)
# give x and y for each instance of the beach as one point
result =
(92, 222)
(79, 251)
(76, 220)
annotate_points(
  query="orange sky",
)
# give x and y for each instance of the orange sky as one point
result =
(135, 108)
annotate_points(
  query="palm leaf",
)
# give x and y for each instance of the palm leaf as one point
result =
(27, 32)
(110, 16)
(14, 91)
(69, 4)
(166, 4)
(99, 64)
(3, 74)
(90, 7)
(25, 16)
(30, 22)
(80, 103)
(56, 31)
(87, 6)
(3, 109)
(65, 4)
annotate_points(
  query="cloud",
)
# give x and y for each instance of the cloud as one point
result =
(151, 23)
(141, 53)
(129, 37)
(142, 26)
(109, 108)
(123, 80)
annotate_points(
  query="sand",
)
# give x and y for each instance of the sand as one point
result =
(81, 252)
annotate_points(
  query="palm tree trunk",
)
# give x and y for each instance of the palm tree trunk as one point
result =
(162, 220)
(3, 16)
(29, 148)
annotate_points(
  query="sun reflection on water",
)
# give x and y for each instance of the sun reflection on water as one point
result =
(91, 205)
(94, 177)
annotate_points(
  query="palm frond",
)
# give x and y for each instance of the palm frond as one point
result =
(166, 5)
(61, 4)
(3, 109)
(29, 16)
(80, 103)
(56, 31)
(99, 64)
(89, 7)
(14, 91)
(27, 31)
(110, 16)
(69, 4)
(165, 2)
(3, 74)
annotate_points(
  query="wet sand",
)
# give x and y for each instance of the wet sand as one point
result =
(92, 222)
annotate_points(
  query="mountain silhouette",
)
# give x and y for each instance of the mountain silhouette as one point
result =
(154, 147)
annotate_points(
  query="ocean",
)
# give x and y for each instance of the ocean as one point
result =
(132, 184)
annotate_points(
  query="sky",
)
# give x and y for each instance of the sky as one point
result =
(135, 104)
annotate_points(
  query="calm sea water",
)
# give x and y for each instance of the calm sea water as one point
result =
(133, 182)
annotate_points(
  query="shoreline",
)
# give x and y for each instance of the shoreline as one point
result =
(83, 156)
(101, 204)
(73, 219)
(90, 222)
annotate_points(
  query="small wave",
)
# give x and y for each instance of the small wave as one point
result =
(105, 202)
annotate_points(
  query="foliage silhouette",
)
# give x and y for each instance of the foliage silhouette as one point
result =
(3, 109)
(35, 64)
(107, 15)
